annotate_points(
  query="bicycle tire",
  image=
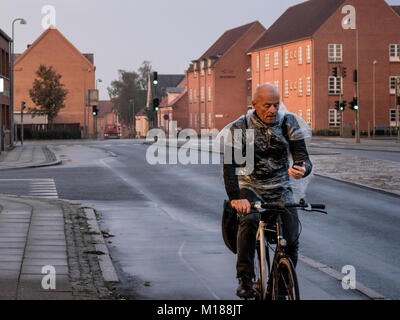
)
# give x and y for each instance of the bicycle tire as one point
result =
(260, 270)
(285, 279)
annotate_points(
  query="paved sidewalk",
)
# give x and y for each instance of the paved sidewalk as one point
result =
(35, 233)
(378, 144)
(28, 157)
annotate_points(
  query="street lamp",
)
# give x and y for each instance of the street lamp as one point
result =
(21, 21)
(374, 95)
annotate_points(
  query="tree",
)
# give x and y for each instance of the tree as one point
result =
(47, 93)
(129, 92)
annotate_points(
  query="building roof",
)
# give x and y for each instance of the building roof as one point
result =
(104, 107)
(175, 89)
(396, 9)
(5, 36)
(297, 22)
(167, 81)
(43, 35)
(227, 40)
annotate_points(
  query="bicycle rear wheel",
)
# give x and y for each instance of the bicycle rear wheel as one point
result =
(285, 285)
(260, 270)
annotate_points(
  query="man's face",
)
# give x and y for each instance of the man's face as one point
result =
(266, 104)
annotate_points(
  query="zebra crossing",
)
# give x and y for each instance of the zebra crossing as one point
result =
(43, 188)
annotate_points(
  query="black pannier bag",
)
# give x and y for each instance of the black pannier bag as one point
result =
(230, 226)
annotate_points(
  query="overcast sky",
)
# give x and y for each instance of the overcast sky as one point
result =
(123, 33)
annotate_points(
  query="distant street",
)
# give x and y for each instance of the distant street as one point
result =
(166, 222)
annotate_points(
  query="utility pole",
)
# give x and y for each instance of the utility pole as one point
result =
(397, 108)
(374, 95)
(23, 106)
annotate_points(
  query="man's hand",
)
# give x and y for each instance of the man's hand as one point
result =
(241, 206)
(297, 172)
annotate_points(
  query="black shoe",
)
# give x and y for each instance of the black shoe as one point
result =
(245, 289)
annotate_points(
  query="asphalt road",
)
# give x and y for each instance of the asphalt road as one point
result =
(166, 222)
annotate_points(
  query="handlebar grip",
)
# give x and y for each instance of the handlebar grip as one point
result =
(318, 206)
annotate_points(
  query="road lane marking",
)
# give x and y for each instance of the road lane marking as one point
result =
(187, 265)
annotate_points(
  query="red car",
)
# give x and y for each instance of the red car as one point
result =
(112, 131)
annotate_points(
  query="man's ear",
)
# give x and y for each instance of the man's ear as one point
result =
(253, 102)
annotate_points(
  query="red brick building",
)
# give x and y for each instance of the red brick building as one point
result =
(5, 102)
(78, 76)
(217, 81)
(298, 55)
(174, 107)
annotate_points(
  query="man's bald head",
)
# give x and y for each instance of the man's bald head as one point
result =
(266, 89)
(266, 101)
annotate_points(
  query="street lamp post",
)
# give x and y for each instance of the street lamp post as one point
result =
(95, 118)
(373, 96)
(22, 21)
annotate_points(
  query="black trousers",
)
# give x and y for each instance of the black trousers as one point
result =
(246, 240)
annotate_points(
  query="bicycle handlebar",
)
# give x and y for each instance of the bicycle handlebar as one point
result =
(301, 205)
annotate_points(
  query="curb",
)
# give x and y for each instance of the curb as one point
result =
(106, 265)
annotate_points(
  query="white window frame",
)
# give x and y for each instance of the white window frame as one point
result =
(257, 62)
(392, 117)
(276, 60)
(394, 52)
(300, 55)
(300, 87)
(191, 96)
(392, 84)
(286, 88)
(335, 52)
(334, 118)
(210, 120)
(202, 120)
(267, 63)
(300, 113)
(337, 85)
(308, 86)
(195, 95)
(276, 84)
(202, 94)
(308, 53)
(195, 120)
(309, 116)
(286, 58)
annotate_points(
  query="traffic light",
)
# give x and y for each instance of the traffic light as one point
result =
(23, 105)
(343, 105)
(156, 103)
(155, 78)
(334, 72)
(344, 72)
(95, 111)
(337, 105)
(354, 104)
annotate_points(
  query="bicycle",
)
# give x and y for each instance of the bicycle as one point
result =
(282, 279)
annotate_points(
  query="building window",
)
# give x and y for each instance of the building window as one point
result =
(335, 52)
(308, 86)
(276, 84)
(202, 68)
(210, 120)
(309, 116)
(258, 62)
(394, 52)
(195, 120)
(276, 60)
(195, 95)
(267, 61)
(209, 93)
(300, 87)
(203, 120)
(392, 84)
(392, 116)
(291, 54)
(209, 71)
(300, 55)
(191, 95)
(286, 58)
(286, 88)
(334, 118)
(335, 85)
(308, 54)
(202, 94)
(195, 74)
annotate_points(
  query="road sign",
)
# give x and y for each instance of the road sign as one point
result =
(166, 116)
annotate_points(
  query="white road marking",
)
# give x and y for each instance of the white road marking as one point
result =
(187, 265)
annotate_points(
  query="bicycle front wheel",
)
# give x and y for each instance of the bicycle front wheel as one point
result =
(285, 285)
(260, 268)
